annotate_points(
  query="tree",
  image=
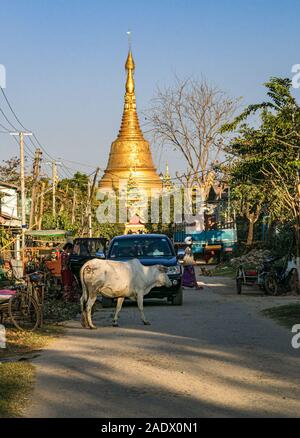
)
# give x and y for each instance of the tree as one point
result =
(72, 215)
(268, 156)
(188, 118)
(248, 201)
(9, 171)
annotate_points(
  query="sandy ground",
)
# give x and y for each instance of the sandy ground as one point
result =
(215, 356)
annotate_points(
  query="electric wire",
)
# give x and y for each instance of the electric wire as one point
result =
(22, 125)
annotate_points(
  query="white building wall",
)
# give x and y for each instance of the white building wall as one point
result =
(9, 201)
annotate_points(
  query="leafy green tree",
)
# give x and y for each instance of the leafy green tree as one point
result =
(248, 201)
(266, 158)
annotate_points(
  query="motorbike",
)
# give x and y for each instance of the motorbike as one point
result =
(264, 271)
(278, 280)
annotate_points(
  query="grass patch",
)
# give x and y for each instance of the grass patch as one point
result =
(224, 271)
(18, 342)
(23, 342)
(287, 316)
(16, 382)
(17, 378)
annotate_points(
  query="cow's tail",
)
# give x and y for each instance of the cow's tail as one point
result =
(84, 296)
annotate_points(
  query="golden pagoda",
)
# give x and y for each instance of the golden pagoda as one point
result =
(167, 180)
(130, 152)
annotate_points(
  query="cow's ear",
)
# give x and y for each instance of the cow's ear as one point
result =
(162, 268)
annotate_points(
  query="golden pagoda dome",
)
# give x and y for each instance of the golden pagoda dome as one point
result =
(130, 150)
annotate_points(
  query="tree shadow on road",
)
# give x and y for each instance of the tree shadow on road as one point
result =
(217, 361)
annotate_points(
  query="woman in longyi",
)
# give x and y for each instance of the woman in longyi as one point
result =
(189, 274)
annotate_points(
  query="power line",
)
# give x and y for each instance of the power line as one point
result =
(18, 120)
(3, 127)
(6, 130)
(77, 162)
(26, 148)
(22, 125)
(6, 118)
(10, 107)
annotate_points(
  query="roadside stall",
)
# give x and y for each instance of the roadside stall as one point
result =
(43, 252)
(24, 281)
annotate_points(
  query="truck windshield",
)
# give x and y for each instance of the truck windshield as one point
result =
(88, 247)
(141, 248)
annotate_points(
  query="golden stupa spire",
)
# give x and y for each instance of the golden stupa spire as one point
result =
(167, 183)
(130, 127)
(167, 175)
(130, 152)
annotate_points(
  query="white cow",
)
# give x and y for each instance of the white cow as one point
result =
(120, 280)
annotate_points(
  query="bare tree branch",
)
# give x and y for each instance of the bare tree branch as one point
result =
(188, 118)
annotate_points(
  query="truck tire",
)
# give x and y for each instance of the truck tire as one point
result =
(107, 302)
(177, 300)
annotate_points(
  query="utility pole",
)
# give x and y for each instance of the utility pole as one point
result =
(91, 189)
(73, 207)
(90, 232)
(36, 171)
(229, 205)
(41, 210)
(21, 136)
(54, 181)
(54, 184)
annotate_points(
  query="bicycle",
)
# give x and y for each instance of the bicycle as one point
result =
(24, 310)
(23, 305)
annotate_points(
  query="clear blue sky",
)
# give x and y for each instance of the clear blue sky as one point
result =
(65, 60)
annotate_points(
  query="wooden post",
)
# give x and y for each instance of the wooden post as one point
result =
(73, 207)
(54, 182)
(41, 212)
(89, 211)
(91, 189)
(36, 171)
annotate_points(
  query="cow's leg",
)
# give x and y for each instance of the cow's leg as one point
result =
(118, 309)
(140, 303)
(83, 302)
(89, 305)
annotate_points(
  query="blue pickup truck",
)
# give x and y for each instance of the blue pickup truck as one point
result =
(151, 249)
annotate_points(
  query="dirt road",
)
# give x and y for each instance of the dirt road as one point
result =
(215, 356)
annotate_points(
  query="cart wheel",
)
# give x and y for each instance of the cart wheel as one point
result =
(239, 286)
(271, 285)
(24, 313)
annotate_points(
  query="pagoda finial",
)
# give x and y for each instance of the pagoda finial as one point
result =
(130, 127)
(167, 175)
(130, 66)
(167, 183)
(129, 39)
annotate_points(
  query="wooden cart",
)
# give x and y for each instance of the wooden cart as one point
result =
(246, 276)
